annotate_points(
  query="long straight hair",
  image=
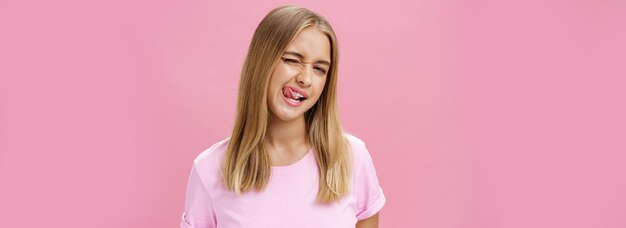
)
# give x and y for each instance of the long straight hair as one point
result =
(246, 164)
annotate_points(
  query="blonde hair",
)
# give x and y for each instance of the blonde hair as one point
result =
(246, 164)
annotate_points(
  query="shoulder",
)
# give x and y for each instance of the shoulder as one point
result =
(353, 140)
(366, 188)
(207, 163)
(358, 149)
(214, 152)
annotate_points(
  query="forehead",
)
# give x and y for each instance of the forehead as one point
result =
(312, 43)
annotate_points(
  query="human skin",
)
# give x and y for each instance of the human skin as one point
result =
(371, 222)
(286, 137)
(286, 141)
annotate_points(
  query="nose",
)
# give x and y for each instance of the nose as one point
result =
(304, 77)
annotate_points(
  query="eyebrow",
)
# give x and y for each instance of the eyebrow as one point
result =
(302, 57)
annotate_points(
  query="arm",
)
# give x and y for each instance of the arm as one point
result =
(371, 222)
(369, 194)
(198, 204)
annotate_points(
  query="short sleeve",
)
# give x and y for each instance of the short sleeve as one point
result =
(369, 194)
(199, 211)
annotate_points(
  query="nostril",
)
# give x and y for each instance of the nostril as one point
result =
(303, 81)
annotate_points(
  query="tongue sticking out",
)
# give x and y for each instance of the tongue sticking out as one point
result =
(290, 93)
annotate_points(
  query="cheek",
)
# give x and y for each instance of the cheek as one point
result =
(321, 85)
(276, 80)
(283, 72)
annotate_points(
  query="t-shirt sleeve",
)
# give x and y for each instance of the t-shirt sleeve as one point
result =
(370, 197)
(199, 211)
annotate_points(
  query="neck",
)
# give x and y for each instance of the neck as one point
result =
(286, 134)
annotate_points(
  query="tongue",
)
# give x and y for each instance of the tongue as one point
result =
(289, 93)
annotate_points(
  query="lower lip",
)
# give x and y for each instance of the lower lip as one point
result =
(294, 104)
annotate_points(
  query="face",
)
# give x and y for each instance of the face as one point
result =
(300, 75)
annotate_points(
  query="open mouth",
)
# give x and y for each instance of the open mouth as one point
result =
(293, 96)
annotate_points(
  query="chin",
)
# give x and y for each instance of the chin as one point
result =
(288, 115)
(287, 119)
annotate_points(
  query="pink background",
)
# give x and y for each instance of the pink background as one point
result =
(477, 113)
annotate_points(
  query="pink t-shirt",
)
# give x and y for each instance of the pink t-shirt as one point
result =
(289, 197)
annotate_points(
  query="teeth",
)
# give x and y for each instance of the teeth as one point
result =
(292, 100)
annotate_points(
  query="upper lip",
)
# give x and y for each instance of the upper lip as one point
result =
(299, 91)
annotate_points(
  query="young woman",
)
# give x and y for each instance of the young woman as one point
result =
(288, 163)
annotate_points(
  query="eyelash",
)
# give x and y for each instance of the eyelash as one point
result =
(322, 70)
(291, 60)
